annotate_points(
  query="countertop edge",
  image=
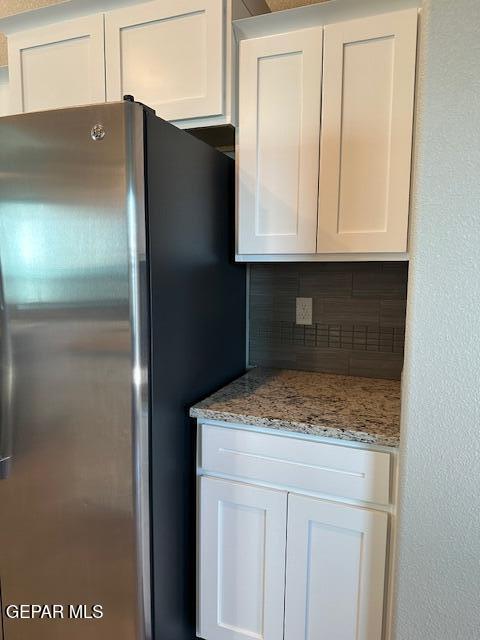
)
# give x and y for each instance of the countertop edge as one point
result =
(349, 435)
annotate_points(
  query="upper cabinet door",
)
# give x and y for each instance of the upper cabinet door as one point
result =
(62, 65)
(278, 142)
(335, 571)
(366, 142)
(169, 55)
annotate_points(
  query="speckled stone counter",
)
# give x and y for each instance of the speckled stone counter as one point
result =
(345, 407)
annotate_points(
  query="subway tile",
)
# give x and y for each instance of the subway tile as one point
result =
(268, 340)
(272, 357)
(329, 284)
(277, 307)
(326, 360)
(392, 313)
(282, 286)
(389, 283)
(321, 267)
(348, 310)
(360, 334)
(395, 266)
(368, 267)
(284, 308)
(261, 308)
(375, 365)
(317, 309)
(272, 277)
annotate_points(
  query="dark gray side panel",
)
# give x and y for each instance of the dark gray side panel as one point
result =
(198, 343)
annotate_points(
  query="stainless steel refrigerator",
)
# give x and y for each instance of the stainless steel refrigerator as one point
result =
(120, 307)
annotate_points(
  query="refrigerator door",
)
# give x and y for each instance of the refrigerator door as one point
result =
(74, 487)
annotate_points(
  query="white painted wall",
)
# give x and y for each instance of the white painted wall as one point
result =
(438, 579)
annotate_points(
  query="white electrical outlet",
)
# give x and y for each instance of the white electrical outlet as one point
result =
(304, 311)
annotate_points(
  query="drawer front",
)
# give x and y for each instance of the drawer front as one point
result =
(297, 464)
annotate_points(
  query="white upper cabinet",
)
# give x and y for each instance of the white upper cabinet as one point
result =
(367, 116)
(60, 65)
(169, 55)
(335, 571)
(324, 146)
(176, 56)
(278, 142)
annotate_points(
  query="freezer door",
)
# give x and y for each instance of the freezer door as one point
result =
(74, 375)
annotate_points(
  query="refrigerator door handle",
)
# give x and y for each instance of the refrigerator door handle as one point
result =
(6, 384)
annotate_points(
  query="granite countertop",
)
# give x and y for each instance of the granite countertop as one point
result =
(345, 407)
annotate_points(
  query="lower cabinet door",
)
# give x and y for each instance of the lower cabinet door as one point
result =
(242, 561)
(335, 571)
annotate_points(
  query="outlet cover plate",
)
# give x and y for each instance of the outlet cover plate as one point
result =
(304, 311)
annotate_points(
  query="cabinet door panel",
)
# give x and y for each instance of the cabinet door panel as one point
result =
(367, 116)
(280, 88)
(242, 552)
(335, 571)
(62, 65)
(169, 55)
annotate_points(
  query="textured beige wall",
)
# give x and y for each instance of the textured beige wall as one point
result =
(8, 7)
(438, 568)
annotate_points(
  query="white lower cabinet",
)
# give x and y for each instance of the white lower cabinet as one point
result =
(283, 563)
(242, 557)
(335, 571)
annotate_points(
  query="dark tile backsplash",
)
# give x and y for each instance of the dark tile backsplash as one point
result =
(358, 317)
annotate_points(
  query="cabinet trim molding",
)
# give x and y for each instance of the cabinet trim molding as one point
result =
(319, 14)
(323, 257)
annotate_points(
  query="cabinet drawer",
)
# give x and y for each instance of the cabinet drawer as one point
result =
(297, 464)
